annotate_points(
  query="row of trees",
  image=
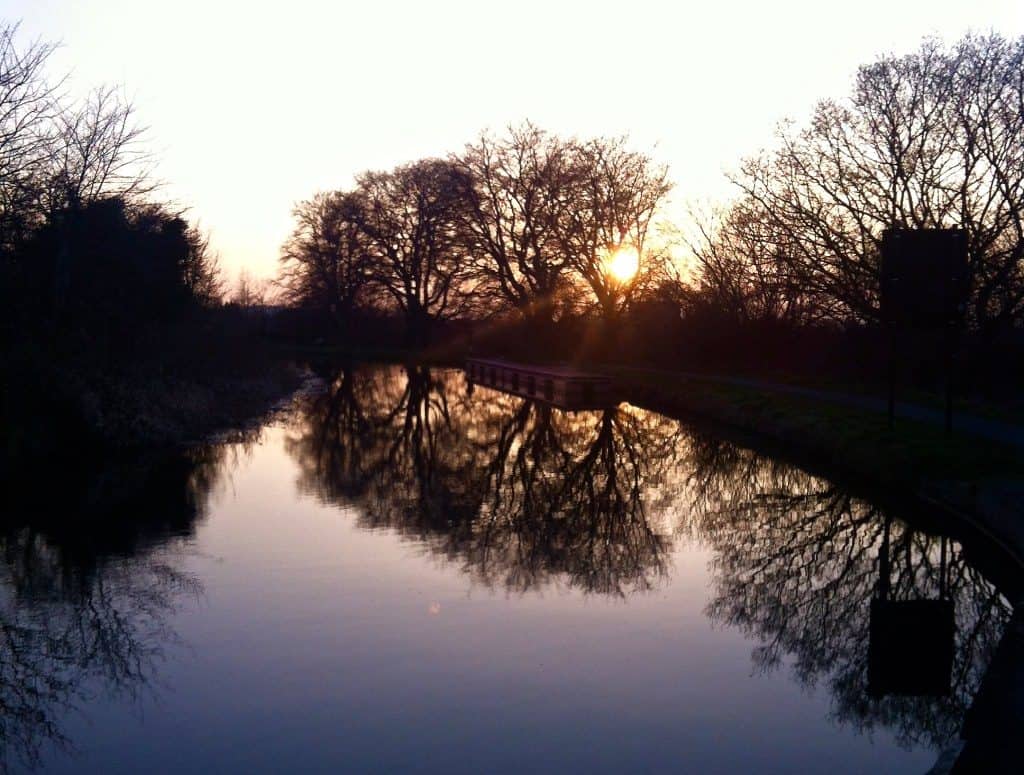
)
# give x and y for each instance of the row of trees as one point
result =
(934, 139)
(526, 221)
(523, 222)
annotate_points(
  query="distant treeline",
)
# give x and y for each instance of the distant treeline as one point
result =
(519, 227)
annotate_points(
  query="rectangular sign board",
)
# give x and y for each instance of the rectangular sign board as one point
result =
(924, 277)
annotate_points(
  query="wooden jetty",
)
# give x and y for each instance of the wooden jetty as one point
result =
(560, 386)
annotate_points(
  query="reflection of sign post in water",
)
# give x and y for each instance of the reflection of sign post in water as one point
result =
(910, 650)
(924, 279)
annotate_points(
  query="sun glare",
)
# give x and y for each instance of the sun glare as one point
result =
(623, 263)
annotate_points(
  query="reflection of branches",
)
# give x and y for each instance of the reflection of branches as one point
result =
(88, 589)
(570, 502)
(797, 564)
(113, 632)
(522, 495)
(519, 493)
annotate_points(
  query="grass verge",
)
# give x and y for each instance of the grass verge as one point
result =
(853, 439)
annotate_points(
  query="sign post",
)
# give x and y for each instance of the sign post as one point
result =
(924, 283)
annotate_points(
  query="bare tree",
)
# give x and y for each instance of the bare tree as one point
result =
(249, 291)
(98, 153)
(28, 105)
(527, 221)
(410, 219)
(932, 139)
(520, 191)
(616, 197)
(325, 263)
(202, 271)
(740, 267)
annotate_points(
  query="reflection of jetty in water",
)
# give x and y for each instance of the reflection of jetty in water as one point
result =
(560, 386)
(522, 495)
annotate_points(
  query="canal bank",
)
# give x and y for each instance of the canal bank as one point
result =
(976, 474)
(49, 407)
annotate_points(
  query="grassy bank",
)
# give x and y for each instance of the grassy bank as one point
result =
(973, 478)
(858, 440)
(195, 384)
(1003, 409)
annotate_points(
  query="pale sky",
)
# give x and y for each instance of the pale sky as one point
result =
(255, 105)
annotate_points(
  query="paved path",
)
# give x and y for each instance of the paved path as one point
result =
(993, 430)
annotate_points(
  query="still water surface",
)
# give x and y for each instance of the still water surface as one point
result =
(400, 574)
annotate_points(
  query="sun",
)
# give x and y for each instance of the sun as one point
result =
(623, 263)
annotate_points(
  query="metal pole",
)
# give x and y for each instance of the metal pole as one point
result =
(892, 379)
(949, 379)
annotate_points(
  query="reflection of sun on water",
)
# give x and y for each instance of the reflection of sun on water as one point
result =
(623, 264)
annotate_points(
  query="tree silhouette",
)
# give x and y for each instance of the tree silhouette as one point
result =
(410, 217)
(616, 195)
(927, 140)
(517, 202)
(326, 263)
(27, 112)
(524, 222)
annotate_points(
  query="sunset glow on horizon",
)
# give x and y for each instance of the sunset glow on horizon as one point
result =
(254, 108)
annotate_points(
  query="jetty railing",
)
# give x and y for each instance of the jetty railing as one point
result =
(560, 385)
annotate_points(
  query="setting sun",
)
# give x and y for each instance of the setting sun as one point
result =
(623, 263)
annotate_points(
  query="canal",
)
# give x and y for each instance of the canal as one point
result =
(404, 572)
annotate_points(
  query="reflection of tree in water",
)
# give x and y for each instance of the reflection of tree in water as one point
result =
(87, 587)
(797, 564)
(519, 493)
(522, 495)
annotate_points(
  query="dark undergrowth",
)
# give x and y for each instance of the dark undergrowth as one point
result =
(180, 384)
